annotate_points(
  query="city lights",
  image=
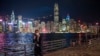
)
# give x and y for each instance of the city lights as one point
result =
(29, 22)
(49, 28)
(64, 25)
(10, 23)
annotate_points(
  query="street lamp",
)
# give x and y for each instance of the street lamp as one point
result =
(97, 28)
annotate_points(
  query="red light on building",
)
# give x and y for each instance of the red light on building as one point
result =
(44, 30)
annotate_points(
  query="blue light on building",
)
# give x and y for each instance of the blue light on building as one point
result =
(68, 17)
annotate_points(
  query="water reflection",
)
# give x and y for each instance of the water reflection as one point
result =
(2, 40)
(10, 38)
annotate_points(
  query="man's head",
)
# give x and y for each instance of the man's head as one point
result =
(36, 31)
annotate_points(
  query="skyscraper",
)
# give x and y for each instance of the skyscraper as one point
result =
(56, 13)
(12, 16)
(68, 17)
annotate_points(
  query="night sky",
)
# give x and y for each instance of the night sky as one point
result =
(86, 10)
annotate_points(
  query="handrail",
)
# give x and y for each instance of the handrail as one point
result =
(15, 48)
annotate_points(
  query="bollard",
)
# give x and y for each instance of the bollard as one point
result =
(79, 38)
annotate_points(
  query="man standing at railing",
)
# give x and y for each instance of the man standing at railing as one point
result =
(37, 41)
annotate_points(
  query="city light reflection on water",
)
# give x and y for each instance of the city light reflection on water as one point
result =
(2, 40)
(26, 39)
(17, 42)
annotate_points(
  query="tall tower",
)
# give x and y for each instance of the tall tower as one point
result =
(12, 16)
(68, 17)
(56, 13)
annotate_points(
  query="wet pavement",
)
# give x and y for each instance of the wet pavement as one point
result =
(83, 50)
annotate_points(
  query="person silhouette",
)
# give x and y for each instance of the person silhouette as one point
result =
(37, 41)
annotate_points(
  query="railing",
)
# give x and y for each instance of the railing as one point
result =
(50, 42)
(53, 45)
(18, 50)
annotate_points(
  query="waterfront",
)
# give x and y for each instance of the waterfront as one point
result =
(83, 50)
(22, 44)
(66, 27)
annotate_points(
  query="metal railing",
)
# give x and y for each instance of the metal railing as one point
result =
(53, 45)
(18, 50)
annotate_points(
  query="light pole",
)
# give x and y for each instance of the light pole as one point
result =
(97, 27)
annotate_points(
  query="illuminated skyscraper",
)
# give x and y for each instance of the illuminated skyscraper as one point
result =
(20, 23)
(68, 17)
(12, 17)
(56, 13)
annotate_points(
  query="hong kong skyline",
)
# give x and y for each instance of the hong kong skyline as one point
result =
(84, 10)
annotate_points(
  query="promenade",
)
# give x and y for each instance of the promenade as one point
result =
(83, 50)
(52, 45)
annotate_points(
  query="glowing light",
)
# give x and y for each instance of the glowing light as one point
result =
(64, 21)
(0, 20)
(23, 23)
(97, 23)
(20, 21)
(29, 22)
(68, 17)
(88, 30)
(10, 23)
(81, 25)
(44, 30)
(63, 28)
